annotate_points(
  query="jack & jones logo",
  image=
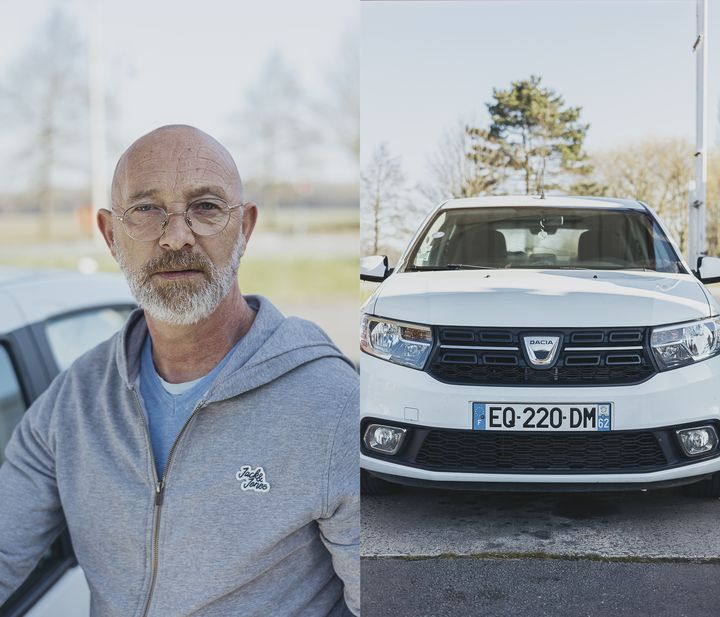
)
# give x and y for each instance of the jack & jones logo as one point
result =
(252, 479)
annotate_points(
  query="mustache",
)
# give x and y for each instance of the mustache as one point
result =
(177, 260)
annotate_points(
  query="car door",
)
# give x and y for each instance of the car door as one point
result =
(30, 357)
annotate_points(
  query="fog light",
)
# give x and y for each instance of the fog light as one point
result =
(698, 440)
(385, 439)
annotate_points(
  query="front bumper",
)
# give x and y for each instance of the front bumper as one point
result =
(539, 487)
(410, 398)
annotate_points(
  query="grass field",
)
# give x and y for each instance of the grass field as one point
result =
(305, 254)
(301, 279)
(19, 228)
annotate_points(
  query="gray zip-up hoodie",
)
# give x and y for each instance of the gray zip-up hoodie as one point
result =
(258, 510)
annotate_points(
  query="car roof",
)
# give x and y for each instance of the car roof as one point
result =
(28, 296)
(550, 201)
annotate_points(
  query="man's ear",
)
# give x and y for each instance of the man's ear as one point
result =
(250, 212)
(105, 224)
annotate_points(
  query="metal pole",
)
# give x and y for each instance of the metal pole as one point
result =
(698, 241)
(692, 231)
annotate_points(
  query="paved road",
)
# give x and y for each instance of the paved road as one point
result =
(537, 588)
(434, 553)
(654, 524)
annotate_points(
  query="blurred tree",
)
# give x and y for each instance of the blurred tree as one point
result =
(588, 186)
(533, 133)
(278, 136)
(381, 191)
(713, 203)
(43, 106)
(459, 167)
(657, 171)
(340, 113)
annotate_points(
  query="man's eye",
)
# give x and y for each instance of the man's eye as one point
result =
(144, 208)
(206, 206)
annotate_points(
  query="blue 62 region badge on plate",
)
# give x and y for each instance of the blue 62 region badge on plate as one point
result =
(527, 417)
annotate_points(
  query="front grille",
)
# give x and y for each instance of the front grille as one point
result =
(474, 451)
(494, 356)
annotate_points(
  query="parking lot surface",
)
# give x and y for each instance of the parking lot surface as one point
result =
(471, 587)
(647, 525)
(431, 553)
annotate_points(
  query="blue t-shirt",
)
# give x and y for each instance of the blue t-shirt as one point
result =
(166, 413)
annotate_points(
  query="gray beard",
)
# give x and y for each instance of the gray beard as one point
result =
(182, 303)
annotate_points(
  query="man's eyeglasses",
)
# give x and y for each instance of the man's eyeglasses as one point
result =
(205, 217)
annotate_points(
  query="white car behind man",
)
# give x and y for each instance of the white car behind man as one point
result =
(47, 319)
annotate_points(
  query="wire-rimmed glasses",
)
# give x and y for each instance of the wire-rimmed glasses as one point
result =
(204, 217)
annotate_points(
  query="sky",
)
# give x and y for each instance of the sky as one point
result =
(170, 61)
(424, 64)
(628, 64)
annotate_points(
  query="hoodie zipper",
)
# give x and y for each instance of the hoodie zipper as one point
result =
(159, 492)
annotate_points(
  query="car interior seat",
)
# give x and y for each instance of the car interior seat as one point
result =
(478, 246)
(607, 244)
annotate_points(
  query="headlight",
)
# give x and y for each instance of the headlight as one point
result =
(686, 343)
(402, 343)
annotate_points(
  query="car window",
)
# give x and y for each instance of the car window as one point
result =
(432, 242)
(665, 257)
(12, 403)
(72, 335)
(544, 237)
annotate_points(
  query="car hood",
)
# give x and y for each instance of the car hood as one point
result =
(541, 298)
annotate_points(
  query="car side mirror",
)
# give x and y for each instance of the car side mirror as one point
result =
(374, 268)
(708, 269)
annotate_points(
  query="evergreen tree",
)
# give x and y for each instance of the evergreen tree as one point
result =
(535, 135)
(493, 163)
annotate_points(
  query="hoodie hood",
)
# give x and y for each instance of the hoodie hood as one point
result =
(542, 298)
(274, 345)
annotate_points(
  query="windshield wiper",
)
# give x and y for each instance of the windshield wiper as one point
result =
(562, 268)
(469, 267)
(449, 267)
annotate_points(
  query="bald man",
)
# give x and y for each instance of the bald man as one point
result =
(204, 458)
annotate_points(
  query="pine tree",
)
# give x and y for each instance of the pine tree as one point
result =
(534, 136)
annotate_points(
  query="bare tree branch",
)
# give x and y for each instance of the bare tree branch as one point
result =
(43, 107)
(381, 191)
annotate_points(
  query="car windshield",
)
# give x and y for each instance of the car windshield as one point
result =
(542, 237)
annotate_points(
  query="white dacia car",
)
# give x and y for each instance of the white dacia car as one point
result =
(527, 343)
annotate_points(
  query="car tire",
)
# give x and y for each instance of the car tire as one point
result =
(373, 486)
(707, 489)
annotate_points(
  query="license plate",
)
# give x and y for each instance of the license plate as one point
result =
(542, 417)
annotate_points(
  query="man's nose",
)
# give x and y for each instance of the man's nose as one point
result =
(177, 232)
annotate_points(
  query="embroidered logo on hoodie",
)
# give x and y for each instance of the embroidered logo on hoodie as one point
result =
(253, 479)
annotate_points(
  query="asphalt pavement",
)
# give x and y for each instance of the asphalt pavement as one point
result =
(652, 524)
(469, 587)
(430, 553)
